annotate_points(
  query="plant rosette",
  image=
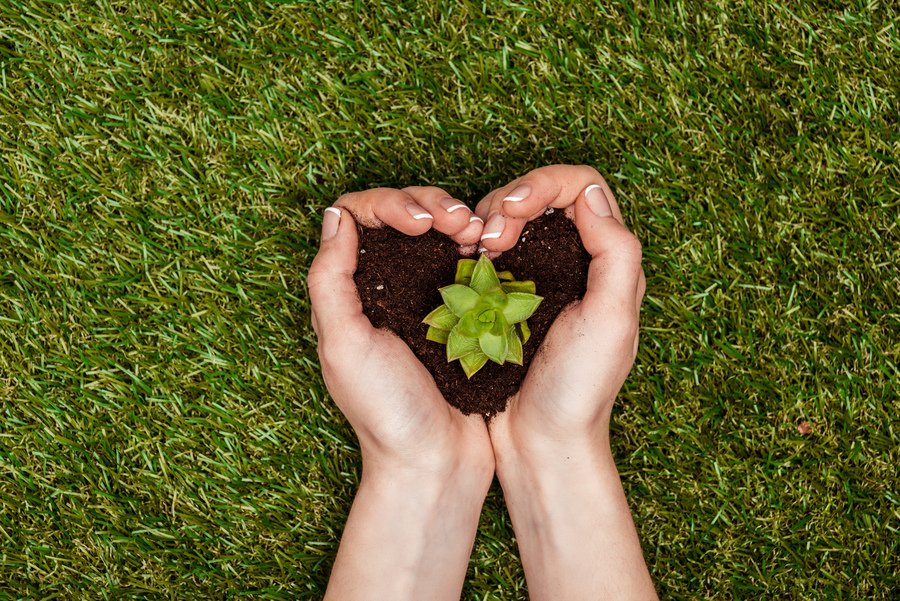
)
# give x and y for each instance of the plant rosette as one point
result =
(484, 316)
(400, 277)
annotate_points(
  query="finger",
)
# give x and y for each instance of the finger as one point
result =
(336, 307)
(387, 206)
(528, 197)
(472, 232)
(554, 186)
(614, 276)
(451, 216)
(501, 235)
(501, 232)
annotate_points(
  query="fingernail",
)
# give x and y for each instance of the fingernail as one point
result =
(494, 227)
(597, 201)
(519, 194)
(451, 204)
(475, 218)
(482, 249)
(330, 222)
(418, 212)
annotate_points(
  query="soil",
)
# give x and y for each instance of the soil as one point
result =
(398, 277)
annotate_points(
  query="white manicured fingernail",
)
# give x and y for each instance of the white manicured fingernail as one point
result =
(331, 220)
(595, 196)
(482, 249)
(519, 194)
(451, 204)
(494, 227)
(475, 218)
(418, 212)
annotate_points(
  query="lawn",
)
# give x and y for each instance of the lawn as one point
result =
(164, 428)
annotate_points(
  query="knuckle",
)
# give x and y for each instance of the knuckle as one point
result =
(549, 170)
(630, 249)
(317, 272)
(541, 179)
(347, 199)
(361, 197)
(589, 173)
(544, 185)
(315, 276)
(361, 204)
(355, 203)
(424, 190)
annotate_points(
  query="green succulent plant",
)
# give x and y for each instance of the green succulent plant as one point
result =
(483, 316)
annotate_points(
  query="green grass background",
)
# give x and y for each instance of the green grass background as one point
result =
(164, 430)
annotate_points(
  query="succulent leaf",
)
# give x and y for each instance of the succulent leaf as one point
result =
(525, 331)
(459, 299)
(464, 270)
(526, 286)
(515, 353)
(487, 317)
(494, 300)
(520, 306)
(472, 362)
(470, 326)
(494, 346)
(499, 326)
(484, 278)
(441, 318)
(460, 345)
(437, 335)
(483, 316)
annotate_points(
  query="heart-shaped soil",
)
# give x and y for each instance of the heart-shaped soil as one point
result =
(398, 277)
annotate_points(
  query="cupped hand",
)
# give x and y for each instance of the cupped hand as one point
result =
(426, 467)
(568, 393)
(553, 455)
(388, 396)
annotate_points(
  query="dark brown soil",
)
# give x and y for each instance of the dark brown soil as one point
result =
(398, 277)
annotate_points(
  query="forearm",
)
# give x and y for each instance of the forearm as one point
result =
(572, 522)
(409, 535)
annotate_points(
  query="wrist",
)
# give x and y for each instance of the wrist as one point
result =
(520, 450)
(433, 480)
(459, 455)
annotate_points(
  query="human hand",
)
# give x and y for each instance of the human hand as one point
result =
(572, 521)
(426, 466)
(588, 352)
(385, 392)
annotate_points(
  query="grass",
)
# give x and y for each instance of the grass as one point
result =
(164, 430)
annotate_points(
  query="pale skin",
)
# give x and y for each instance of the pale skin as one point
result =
(427, 468)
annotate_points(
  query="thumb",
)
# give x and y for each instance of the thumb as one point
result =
(615, 268)
(332, 291)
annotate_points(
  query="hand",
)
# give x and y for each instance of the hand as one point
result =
(551, 445)
(426, 467)
(589, 350)
(385, 392)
